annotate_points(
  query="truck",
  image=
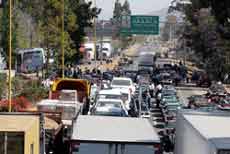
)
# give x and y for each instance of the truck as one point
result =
(68, 98)
(89, 51)
(72, 90)
(106, 50)
(202, 132)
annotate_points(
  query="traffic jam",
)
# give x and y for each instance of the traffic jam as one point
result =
(147, 87)
(102, 110)
(145, 103)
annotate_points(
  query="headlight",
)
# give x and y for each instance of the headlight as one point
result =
(179, 107)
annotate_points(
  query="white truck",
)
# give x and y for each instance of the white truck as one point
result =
(107, 50)
(89, 51)
(202, 133)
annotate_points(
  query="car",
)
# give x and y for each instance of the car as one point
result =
(123, 83)
(165, 78)
(168, 92)
(109, 107)
(217, 89)
(170, 105)
(131, 74)
(109, 94)
(224, 104)
(107, 75)
(197, 101)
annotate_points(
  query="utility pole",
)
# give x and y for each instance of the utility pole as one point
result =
(95, 37)
(101, 54)
(10, 56)
(62, 39)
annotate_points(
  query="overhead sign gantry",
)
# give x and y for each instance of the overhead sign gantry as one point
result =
(140, 25)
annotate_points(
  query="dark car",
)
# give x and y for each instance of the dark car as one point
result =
(197, 101)
(107, 76)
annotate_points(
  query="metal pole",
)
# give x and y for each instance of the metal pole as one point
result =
(10, 55)
(5, 143)
(95, 37)
(101, 42)
(62, 39)
(140, 100)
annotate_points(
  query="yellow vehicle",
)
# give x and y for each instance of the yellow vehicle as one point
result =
(20, 133)
(82, 87)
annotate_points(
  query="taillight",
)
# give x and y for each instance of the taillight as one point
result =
(75, 147)
(157, 149)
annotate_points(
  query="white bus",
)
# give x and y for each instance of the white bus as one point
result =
(30, 60)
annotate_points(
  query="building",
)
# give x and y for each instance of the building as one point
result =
(20, 133)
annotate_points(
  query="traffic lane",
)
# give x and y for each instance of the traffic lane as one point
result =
(185, 92)
(102, 65)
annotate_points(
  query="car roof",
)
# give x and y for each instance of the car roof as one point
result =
(211, 125)
(121, 78)
(57, 103)
(110, 91)
(109, 100)
(126, 133)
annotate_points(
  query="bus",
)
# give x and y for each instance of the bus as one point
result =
(30, 60)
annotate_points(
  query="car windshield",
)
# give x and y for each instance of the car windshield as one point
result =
(170, 98)
(168, 92)
(172, 107)
(33, 60)
(114, 114)
(67, 96)
(88, 49)
(109, 96)
(109, 104)
(121, 83)
(105, 49)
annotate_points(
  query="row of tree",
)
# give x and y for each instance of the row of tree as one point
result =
(207, 33)
(37, 23)
(119, 11)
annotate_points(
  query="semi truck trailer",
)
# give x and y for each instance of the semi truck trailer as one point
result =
(202, 133)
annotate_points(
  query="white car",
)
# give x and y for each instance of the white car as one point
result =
(109, 107)
(109, 94)
(123, 83)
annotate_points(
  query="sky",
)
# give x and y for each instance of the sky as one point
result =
(137, 6)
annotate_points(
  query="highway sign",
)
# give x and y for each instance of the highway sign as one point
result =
(140, 25)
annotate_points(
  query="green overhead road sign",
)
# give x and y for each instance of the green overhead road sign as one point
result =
(140, 25)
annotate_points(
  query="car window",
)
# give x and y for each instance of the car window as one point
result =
(109, 104)
(121, 82)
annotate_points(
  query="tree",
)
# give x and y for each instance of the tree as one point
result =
(126, 8)
(37, 23)
(85, 13)
(4, 43)
(208, 35)
(117, 13)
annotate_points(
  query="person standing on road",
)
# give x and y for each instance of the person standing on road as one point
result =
(158, 94)
(151, 89)
(69, 71)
